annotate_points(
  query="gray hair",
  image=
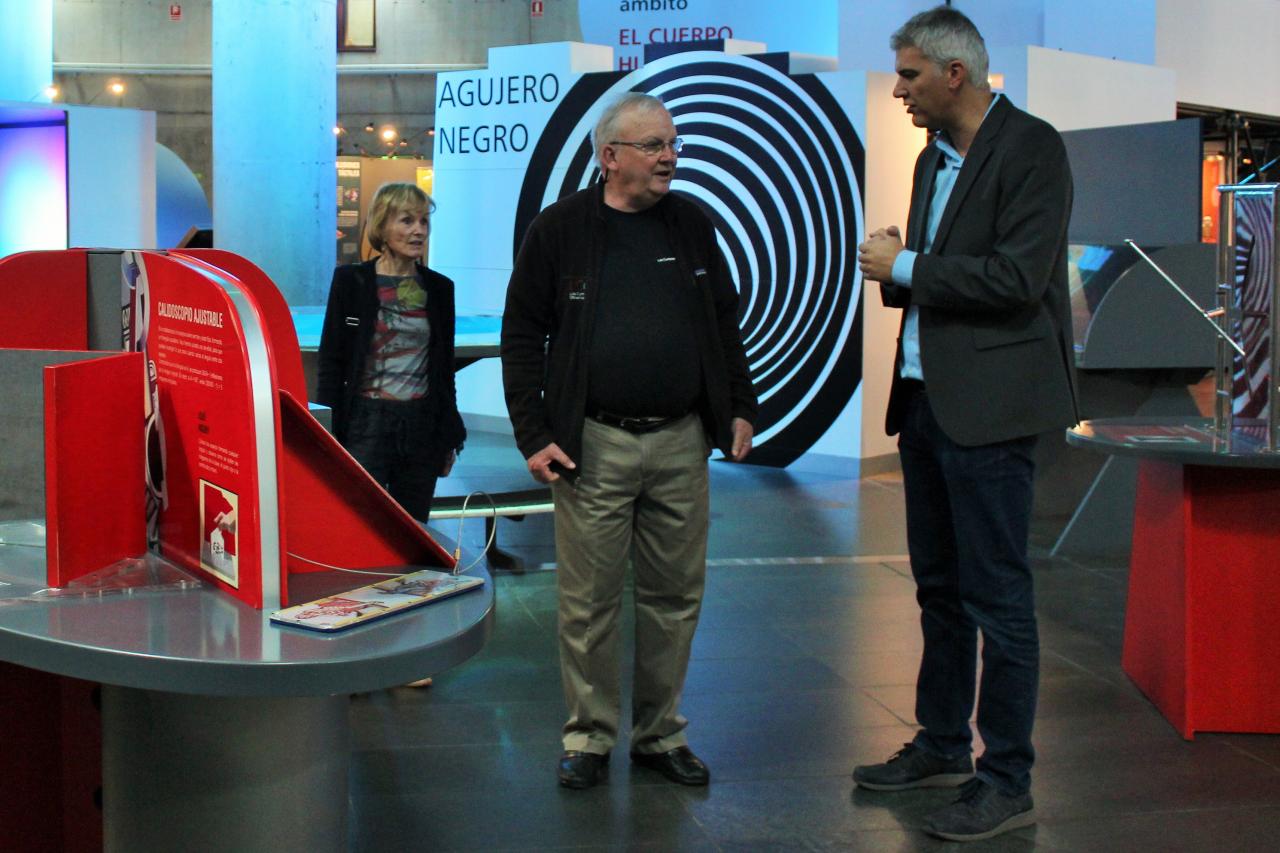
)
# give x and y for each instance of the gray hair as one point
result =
(942, 34)
(607, 125)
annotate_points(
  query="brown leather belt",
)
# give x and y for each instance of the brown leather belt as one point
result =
(634, 424)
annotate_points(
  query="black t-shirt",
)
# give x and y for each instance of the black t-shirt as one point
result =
(644, 353)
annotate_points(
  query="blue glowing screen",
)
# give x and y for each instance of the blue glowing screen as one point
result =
(33, 181)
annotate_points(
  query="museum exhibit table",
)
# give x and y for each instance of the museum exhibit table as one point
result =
(220, 729)
(1201, 624)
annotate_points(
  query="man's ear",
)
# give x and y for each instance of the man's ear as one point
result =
(957, 73)
(608, 161)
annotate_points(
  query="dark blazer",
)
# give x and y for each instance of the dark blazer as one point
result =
(995, 324)
(347, 335)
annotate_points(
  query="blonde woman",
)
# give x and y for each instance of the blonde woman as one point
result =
(386, 355)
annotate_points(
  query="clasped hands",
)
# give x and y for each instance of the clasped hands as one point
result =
(877, 254)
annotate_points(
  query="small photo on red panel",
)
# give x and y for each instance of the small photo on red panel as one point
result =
(218, 554)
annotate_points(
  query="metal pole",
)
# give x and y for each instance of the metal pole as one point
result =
(1222, 402)
(1207, 315)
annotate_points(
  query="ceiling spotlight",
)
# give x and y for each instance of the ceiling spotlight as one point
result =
(116, 88)
(431, 131)
(388, 133)
(404, 143)
(368, 128)
(338, 130)
(52, 92)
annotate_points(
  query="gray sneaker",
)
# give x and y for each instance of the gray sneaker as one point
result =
(981, 812)
(912, 767)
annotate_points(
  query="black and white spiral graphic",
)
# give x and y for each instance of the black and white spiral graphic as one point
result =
(777, 165)
(1255, 217)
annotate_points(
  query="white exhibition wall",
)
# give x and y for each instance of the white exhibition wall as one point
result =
(1112, 30)
(1224, 54)
(1074, 90)
(111, 180)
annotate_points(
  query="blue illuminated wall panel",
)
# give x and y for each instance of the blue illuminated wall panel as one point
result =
(33, 179)
(112, 177)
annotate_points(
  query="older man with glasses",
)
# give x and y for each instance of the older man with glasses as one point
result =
(623, 365)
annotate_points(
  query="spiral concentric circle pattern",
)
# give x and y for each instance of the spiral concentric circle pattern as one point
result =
(1254, 244)
(775, 162)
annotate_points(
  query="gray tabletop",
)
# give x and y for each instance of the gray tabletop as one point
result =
(188, 637)
(1186, 441)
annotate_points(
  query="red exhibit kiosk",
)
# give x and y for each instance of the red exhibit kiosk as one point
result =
(169, 416)
(241, 485)
(1201, 623)
(1201, 627)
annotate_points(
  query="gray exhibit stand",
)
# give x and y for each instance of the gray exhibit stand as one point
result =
(1138, 346)
(221, 730)
(1180, 441)
(1236, 300)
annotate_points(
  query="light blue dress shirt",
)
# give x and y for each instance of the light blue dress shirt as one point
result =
(904, 265)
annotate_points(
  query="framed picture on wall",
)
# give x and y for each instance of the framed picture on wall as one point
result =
(357, 25)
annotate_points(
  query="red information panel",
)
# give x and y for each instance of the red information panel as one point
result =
(93, 465)
(45, 302)
(211, 441)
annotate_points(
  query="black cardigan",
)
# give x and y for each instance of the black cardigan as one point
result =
(551, 300)
(349, 322)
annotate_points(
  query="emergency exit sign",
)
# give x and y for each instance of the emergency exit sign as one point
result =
(175, 11)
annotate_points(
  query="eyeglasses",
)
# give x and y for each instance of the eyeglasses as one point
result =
(652, 147)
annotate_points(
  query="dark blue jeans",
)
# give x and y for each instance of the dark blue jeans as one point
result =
(968, 511)
(389, 439)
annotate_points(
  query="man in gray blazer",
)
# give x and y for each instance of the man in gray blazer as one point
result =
(984, 364)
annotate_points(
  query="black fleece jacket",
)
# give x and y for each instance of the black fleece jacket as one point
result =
(347, 334)
(549, 316)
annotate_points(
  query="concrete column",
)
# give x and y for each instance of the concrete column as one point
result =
(274, 105)
(26, 51)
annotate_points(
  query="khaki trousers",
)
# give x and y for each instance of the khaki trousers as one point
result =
(642, 497)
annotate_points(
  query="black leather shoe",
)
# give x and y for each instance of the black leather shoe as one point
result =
(582, 769)
(678, 765)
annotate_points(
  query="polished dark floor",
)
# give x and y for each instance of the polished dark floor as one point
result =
(803, 666)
